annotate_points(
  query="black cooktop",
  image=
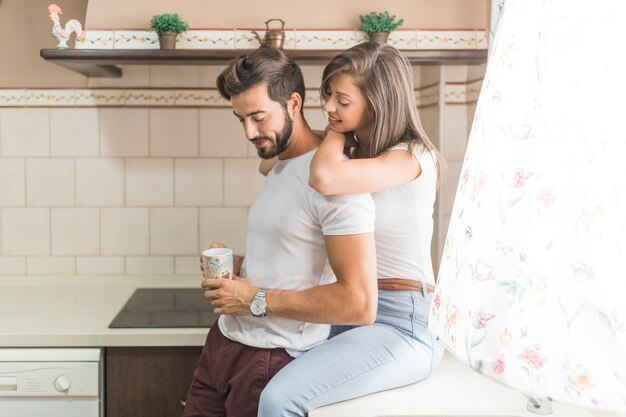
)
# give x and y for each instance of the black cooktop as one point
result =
(165, 307)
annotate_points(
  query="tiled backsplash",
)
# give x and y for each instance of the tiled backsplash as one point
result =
(131, 186)
(189, 97)
(294, 39)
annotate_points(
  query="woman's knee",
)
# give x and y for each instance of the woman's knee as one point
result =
(275, 402)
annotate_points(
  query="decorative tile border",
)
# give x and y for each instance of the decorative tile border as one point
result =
(50, 98)
(438, 39)
(96, 39)
(204, 39)
(325, 39)
(199, 98)
(482, 39)
(462, 93)
(403, 39)
(12, 98)
(245, 39)
(294, 39)
(473, 90)
(149, 97)
(100, 98)
(115, 97)
(455, 93)
(427, 96)
(135, 39)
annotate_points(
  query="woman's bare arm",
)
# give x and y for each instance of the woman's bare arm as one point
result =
(332, 174)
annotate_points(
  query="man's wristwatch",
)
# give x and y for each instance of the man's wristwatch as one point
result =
(258, 305)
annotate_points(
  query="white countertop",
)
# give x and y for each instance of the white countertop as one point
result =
(73, 311)
(453, 390)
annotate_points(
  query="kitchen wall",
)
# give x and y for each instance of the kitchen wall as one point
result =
(24, 30)
(120, 190)
(299, 14)
(132, 189)
(25, 25)
(446, 111)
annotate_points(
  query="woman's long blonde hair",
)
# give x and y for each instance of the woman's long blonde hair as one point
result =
(384, 77)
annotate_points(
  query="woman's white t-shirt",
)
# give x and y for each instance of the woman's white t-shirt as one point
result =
(404, 223)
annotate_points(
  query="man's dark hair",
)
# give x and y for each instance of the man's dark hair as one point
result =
(270, 65)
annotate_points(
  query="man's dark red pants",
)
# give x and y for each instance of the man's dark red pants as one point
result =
(230, 376)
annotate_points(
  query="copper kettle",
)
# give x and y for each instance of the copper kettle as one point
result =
(273, 37)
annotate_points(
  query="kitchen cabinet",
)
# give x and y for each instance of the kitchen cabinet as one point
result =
(148, 381)
(147, 370)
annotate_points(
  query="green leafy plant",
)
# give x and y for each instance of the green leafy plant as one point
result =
(169, 22)
(379, 22)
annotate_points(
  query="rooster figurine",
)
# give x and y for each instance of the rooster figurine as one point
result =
(63, 33)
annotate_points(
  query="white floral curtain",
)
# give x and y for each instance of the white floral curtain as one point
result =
(532, 282)
(497, 8)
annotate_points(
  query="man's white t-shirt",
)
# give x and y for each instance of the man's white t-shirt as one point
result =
(285, 249)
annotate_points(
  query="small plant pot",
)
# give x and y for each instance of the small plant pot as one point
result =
(167, 40)
(380, 37)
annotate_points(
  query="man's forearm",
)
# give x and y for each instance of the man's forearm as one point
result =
(330, 304)
(351, 300)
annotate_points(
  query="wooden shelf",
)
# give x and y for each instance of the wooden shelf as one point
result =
(103, 62)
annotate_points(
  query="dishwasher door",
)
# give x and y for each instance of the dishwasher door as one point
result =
(51, 382)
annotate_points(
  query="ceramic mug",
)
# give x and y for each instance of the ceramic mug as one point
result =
(217, 263)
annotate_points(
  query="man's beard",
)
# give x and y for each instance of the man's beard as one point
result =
(281, 142)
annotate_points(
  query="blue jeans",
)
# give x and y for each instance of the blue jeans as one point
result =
(396, 350)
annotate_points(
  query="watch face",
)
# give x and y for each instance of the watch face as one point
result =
(257, 306)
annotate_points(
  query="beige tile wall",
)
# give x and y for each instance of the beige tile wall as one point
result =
(448, 126)
(123, 190)
(455, 124)
(144, 190)
(430, 117)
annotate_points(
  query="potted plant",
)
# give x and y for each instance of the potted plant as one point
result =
(378, 25)
(168, 26)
